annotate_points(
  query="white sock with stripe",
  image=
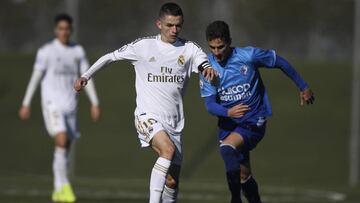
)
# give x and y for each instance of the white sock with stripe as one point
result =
(157, 180)
(60, 168)
(169, 195)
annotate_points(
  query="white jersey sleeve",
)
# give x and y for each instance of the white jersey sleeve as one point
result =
(199, 58)
(90, 87)
(83, 63)
(40, 66)
(127, 52)
(35, 79)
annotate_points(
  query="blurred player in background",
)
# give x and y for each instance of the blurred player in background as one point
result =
(241, 103)
(58, 64)
(163, 65)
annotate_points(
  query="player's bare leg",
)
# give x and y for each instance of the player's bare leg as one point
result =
(230, 154)
(234, 139)
(172, 184)
(63, 191)
(162, 144)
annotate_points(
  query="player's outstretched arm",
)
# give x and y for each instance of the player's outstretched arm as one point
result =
(306, 94)
(202, 64)
(101, 62)
(25, 110)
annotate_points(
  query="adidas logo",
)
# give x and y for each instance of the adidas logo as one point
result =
(152, 59)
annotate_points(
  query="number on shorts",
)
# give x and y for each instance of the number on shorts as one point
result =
(145, 127)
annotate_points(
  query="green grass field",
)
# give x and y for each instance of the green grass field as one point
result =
(302, 159)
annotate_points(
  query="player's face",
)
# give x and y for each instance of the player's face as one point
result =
(219, 48)
(170, 27)
(63, 31)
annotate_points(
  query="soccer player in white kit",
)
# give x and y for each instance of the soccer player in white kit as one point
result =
(58, 63)
(163, 65)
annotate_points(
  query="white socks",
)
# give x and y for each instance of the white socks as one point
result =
(60, 168)
(169, 195)
(157, 180)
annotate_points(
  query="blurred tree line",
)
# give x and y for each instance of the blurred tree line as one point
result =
(310, 29)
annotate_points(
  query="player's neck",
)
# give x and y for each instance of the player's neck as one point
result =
(165, 40)
(227, 54)
(63, 42)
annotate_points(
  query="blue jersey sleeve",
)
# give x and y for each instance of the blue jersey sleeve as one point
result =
(290, 71)
(263, 57)
(269, 59)
(206, 89)
(214, 108)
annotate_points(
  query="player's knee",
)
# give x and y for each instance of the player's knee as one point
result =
(61, 143)
(244, 175)
(234, 139)
(61, 140)
(168, 152)
(171, 182)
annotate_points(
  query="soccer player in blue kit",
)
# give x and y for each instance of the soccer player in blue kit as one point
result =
(240, 101)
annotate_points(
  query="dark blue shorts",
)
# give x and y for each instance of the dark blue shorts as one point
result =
(252, 131)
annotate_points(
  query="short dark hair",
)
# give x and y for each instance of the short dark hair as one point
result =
(170, 9)
(218, 29)
(63, 17)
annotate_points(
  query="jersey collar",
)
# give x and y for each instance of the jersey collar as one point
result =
(176, 43)
(223, 63)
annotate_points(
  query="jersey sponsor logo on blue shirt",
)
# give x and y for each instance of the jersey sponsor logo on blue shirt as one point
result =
(235, 93)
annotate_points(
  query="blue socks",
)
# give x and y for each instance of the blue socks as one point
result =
(232, 159)
(232, 166)
(250, 190)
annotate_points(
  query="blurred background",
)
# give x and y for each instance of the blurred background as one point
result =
(304, 157)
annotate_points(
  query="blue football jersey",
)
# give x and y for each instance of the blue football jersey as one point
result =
(239, 81)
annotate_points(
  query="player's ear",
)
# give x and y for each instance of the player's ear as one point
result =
(158, 23)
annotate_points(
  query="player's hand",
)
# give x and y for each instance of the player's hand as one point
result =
(209, 74)
(238, 111)
(95, 112)
(24, 112)
(80, 83)
(307, 96)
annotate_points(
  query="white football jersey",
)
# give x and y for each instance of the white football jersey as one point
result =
(61, 65)
(162, 72)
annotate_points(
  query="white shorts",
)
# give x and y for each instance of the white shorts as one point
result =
(57, 121)
(147, 125)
